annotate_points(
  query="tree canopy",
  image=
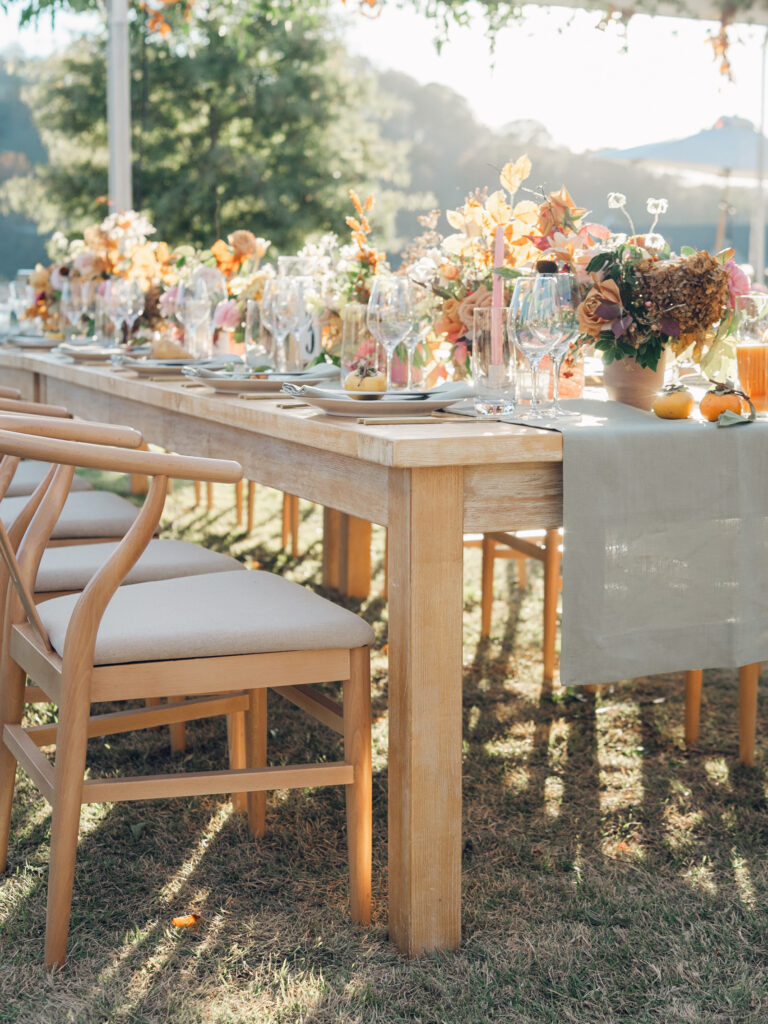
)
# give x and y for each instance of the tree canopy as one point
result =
(258, 98)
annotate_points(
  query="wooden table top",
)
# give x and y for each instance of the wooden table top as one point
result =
(437, 443)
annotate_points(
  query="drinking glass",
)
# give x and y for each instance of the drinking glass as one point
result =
(259, 345)
(530, 326)
(193, 311)
(135, 300)
(493, 362)
(287, 315)
(390, 315)
(558, 299)
(117, 305)
(69, 305)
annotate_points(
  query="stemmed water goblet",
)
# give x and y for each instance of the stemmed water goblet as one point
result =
(287, 316)
(390, 317)
(193, 309)
(531, 328)
(557, 298)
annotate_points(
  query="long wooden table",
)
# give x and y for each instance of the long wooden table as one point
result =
(428, 484)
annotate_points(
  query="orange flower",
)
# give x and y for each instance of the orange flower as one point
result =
(450, 271)
(559, 212)
(243, 243)
(590, 321)
(227, 262)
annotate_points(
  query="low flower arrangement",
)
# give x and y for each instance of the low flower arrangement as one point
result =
(642, 299)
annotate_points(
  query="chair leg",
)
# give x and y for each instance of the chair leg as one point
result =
(251, 505)
(522, 573)
(256, 757)
(486, 598)
(239, 502)
(198, 493)
(11, 710)
(236, 745)
(286, 520)
(294, 526)
(209, 497)
(357, 752)
(693, 680)
(71, 745)
(749, 676)
(178, 732)
(551, 591)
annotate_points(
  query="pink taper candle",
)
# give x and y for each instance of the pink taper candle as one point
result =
(497, 297)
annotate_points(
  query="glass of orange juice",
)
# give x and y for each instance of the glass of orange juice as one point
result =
(752, 347)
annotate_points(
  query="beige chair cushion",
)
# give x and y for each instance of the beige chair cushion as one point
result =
(206, 616)
(30, 473)
(72, 566)
(86, 514)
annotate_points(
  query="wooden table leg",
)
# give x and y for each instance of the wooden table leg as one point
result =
(693, 681)
(331, 547)
(749, 676)
(425, 679)
(355, 557)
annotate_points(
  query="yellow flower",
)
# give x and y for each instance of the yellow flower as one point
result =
(514, 173)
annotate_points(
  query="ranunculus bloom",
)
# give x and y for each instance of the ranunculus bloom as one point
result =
(243, 243)
(449, 322)
(590, 322)
(227, 316)
(39, 278)
(167, 302)
(479, 298)
(450, 271)
(88, 264)
(738, 282)
(558, 211)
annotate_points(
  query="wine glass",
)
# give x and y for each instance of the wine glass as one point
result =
(135, 302)
(117, 304)
(287, 315)
(530, 326)
(558, 299)
(193, 309)
(69, 304)
(259, 344)
(390, 315)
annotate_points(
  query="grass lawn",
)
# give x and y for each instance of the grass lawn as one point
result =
(609, 875)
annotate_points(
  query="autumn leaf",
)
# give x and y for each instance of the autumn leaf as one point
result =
(514, 173)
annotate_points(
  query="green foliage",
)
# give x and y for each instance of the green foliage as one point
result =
(248, 117)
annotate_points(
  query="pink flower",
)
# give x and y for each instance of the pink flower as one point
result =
(227, 316)
(57, 278)
(738, 282)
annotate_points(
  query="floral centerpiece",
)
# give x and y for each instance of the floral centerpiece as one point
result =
(642, 299)
(459, 269)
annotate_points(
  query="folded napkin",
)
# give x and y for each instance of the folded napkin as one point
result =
(666, 544)
(240, 372)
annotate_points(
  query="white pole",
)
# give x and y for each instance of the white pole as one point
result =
(119, 107)
(757, 246)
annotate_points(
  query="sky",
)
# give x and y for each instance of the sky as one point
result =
(590, 89)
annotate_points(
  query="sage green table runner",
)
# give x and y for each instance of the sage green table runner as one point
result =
(665, 562)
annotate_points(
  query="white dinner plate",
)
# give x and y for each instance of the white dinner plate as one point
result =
(340, 404)
(38, 341)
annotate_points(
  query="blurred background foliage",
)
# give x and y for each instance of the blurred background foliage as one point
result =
(251, 114)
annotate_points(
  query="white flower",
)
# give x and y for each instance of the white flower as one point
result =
(654, 240)
(616, 200)
(617, 239)
(423, 270)
(657, 206)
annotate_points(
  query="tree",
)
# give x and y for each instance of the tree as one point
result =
(250, 117)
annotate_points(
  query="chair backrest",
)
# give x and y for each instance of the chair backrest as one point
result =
(80, 640)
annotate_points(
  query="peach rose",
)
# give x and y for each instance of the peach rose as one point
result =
(479, 299)
(243, 242)
(39, 278)
(450, 271)
(449, 321)
(590, 321)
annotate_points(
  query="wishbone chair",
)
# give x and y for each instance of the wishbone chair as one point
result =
(68, 568)
(223, 638)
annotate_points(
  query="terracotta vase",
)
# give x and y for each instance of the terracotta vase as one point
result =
(627, 382)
